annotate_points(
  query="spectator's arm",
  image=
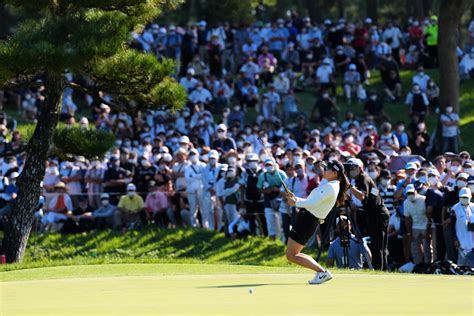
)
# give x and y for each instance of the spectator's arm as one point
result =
(408, 224)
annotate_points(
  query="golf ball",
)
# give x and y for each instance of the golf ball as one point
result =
(250, 291)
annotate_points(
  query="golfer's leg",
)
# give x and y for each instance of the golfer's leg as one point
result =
(293, 254)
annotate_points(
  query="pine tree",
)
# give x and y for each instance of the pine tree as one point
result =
(88, 38)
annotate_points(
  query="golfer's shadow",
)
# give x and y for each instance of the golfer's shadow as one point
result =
(243, 285)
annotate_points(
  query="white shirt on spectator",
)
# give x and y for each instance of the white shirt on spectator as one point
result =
(324, 74)
(200, 95)
(421, 80)
(467, 63)
(188, 83)
(449, 131)
(394, 34)
(464, 215)
(193, 176)
(417, 211)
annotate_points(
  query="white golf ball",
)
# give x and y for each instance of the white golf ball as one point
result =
(250, 291)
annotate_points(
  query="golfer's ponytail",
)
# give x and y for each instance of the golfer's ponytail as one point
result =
(343, 187)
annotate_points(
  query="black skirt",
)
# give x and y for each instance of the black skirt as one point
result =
(305, 226)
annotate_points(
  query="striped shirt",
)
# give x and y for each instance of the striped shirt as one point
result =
(387, 195)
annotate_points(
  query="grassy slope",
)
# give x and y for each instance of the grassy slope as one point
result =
(151, 245)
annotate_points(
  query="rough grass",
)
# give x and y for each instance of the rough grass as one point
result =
(150, 245)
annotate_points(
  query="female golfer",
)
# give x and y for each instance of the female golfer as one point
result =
(316, 207)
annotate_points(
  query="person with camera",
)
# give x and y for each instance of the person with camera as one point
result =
(463, 216)
(269, 184)
(371, 214)
(345, 250)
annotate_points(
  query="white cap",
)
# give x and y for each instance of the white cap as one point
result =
(104, 196)
(268, 161)
(164, 149)
(341, 218)
(213, 154)
(462, 175)
(202, 23)
(184, 139)
(193, 152)
(166, 157)
(14, 175)
(221, 127)
(131, 187)
(411, 165)
(326, 61)
(251, 157)
(191, 71)
(172, 28)
(352, 67)
(84, 121)
(355, 162)
(410, 188)
(368, 20)
(433, 171)
(465, 192)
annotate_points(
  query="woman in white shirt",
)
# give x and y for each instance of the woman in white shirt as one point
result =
(331, 191)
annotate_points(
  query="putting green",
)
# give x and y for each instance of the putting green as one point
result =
(224, 290)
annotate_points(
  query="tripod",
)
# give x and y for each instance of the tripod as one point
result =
(327, 235)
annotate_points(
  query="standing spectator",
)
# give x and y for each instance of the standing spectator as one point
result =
(269, 184)
(387, 191)
(434, 208)
(223, 142)
(325, 78)
(231, 195)
(194, 186)
(450, 122)
(115, 179)
(210, 173)
(392, 35)
(131, 208)
(401, 135)
(432, 92)
(463, 214)
(71, 176)
(251, 196)
(417, 225)
(417, 102)
(93, 179)
(372, 215)
(431, 35)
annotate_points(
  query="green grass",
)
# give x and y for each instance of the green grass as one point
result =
(224, 290)
(150, 245)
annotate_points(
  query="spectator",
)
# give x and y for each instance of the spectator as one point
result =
(434, 207)
(353, 84)
(223, 142)
(417, 102)
(107, 215)
(464, 217)
(417, 225)
(132, 209)
(59, 208)
(450, 122)
(356, 252)
(157, 205)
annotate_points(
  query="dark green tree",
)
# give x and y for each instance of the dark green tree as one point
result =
(88, 38)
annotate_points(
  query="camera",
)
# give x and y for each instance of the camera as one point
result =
(470, 227)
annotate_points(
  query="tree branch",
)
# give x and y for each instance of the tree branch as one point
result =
(93, 93)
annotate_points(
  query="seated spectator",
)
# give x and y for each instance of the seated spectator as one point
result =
(388, 142)
(59, 208)
(374, 106)
(327, 109)
(421, 79)
(325, 78)
(189, 82)
(432, 92)
(417, 102)
(466, 66)
(200, 95)
(352, 84)
(107, 215)
(131, 208)
(157, 205)
(357, 251)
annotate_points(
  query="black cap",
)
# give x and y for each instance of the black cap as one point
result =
(337, 166)
(384, 173)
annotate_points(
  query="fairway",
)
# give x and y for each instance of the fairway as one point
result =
(224, 290)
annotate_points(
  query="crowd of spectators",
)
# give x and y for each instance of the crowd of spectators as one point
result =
(204, 166)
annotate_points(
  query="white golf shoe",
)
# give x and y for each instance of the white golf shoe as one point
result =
(321, 277)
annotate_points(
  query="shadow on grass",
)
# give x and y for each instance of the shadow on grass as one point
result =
(230, 286)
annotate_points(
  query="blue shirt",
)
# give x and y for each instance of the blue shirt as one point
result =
(355, 253)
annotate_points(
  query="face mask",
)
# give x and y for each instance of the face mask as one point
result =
(469, 171)
(455, 169)
(423, 179)
(353, 131)
(432, 181)
(412, 198)
(349, 140)
(194, 158)
(240, 144)
(130, 194)
(354, 173)
(236, 108)
(269, 168)
(401, 129)
(132, 161)
(461, 184)
(105, 202)
(143, 163)
(332, 158)
(449, 109)
(299, 172)
(253, 165)
(248, 131)
(221, 135)
(231, 174)
(213, 162)
(423, 191)
(471, 187)
(373, 97)
(403, 153)
(232, 161)
(52, 169)
(464, 201)
(384, 182)
(373, 175)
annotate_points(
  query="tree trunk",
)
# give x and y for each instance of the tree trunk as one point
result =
(19, 223)
(419, 11)
(449, 19)
(372, 9)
